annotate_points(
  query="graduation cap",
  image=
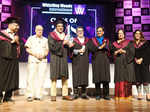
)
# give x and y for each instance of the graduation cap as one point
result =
(10, 20)
(60, 21)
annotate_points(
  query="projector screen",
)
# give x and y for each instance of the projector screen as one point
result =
(88, 16)
(74, 14)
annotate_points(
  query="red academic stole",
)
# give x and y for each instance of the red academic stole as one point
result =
(78, 42)
(122, 44)
(139, 45)
(6, 37)
(55, 36)
(97, 44)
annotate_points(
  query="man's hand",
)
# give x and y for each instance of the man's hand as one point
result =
(118, 51)
(139, 61)
(122, 51)
(15, 40)
(71, 44)
(39, 56)
(65, 42)
(102, 46)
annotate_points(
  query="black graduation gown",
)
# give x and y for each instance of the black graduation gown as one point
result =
(80, 64)
(9, 65)
(142, 70)
(100, 62)
(58, 57)
(124, 63)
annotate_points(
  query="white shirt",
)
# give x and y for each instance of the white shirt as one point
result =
(38, 46)
(60, 35)
(81, 39)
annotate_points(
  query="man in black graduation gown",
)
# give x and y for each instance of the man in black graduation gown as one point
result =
(58, 47)
(100, 64)
(80, 63)
(9, 66)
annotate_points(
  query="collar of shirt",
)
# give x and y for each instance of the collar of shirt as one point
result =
(39, 40)
(81, 39)
(9, 32)
(100, 39)
(60, 35)
(11, 35)
(38, 37)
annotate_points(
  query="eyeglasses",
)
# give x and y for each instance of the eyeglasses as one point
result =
(99, 31)
(79, 30)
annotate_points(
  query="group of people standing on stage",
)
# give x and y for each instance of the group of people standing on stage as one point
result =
(131, 60)
(131, 65)
(78, 50)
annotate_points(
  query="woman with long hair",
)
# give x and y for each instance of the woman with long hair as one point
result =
(142, 61)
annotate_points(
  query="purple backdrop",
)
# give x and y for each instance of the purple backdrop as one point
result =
(88, 16)
(131, 15)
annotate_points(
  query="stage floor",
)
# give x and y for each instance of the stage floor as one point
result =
(79, 105)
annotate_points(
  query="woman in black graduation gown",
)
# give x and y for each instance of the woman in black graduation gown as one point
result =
(100, 64)
(142, 61)
(124, 75)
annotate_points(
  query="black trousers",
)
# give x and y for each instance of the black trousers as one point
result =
(83, 89)
(105, 89)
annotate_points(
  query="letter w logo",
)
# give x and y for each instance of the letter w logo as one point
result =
(79, 10)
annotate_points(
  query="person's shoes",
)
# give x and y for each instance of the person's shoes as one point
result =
(107, 98)
(140, 98)
(148, 99)
(69, 98)
(29, 99)
(8, 99)
(0, 99)
(84, 96)
(53, 98)
(38, 99)
(75, 96)
(98, 97)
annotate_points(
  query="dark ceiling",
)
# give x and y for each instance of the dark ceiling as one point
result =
(66, 1)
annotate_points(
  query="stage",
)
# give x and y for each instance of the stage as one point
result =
(129, 15)
(79, 105)
(23, 72)
(20, 103)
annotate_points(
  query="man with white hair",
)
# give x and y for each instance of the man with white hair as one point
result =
(37, 47)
